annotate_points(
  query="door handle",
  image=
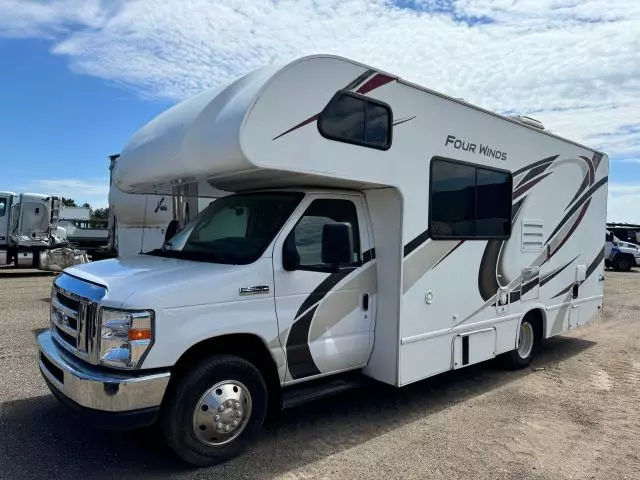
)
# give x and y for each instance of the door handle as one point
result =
(365, 302)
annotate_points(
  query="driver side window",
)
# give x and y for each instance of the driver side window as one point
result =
(307, 234)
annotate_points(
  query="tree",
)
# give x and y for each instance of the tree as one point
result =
(68, 202)
(86, 205)
(102, 213)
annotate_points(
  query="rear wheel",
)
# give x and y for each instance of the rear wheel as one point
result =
(622, 263)
(522, 356)
(212, 412)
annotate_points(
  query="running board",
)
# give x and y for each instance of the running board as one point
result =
(303, 393)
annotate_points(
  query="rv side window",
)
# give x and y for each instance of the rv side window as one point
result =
(307, 234)
(469, 202)
(357, 119)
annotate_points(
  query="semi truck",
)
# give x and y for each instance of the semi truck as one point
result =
(375, 230)
(29, 231)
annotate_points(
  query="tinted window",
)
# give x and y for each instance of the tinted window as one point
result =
(356, 119)
(344, 118)
(3, 206)
(469, 201)
(307, 234)
(493, 210)
(452, 199)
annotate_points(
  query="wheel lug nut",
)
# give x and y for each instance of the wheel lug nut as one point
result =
(219, 426)
(216, 418)
(235, 423)
(235, 406)
(221, 408)
(229, 403)
(226, 428)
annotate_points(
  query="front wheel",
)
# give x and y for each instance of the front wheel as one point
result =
(522, 356)
(212, 412)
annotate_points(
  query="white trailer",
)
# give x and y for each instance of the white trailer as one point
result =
(377, 228)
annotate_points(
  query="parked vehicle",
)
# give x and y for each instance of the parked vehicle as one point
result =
(29, 230)
(82, 230)
(626, 232)
(139, 223)
(376, 230)
(620, 255)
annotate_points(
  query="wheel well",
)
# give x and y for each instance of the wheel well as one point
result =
(538, 321)
(247, 346)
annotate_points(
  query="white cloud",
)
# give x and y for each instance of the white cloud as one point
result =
(20, 18)
(573, 65)
(624, 203)
(94, 191)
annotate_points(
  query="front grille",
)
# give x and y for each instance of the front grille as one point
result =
(66, 337)
(68, 302)
(74, 312)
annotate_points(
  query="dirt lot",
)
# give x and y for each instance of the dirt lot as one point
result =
(574, 414)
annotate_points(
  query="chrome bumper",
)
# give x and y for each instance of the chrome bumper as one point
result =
(95, 388)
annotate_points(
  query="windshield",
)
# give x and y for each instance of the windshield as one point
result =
(235, 229)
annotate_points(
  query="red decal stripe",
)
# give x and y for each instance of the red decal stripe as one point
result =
(527, 186)
(592, 170)
(573, 227)
(301, 124)
(379, 80)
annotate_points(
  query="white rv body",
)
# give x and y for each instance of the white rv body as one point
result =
(140, 221)
(419, 296)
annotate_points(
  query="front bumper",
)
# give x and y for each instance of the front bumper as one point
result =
(106, 398)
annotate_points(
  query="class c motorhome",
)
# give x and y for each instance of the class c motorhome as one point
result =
(139, 223)
(375, 227)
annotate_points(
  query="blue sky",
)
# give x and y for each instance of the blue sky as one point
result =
(79, 77)
(59, 126)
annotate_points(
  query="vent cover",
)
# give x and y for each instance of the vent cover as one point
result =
(532, 235)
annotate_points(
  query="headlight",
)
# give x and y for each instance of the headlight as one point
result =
(125, 337)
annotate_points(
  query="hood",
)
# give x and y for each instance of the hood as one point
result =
(149, 282)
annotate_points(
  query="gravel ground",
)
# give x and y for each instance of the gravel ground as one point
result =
(574, 414)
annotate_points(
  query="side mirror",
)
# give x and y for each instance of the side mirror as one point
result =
(337, 244)
(290, 255)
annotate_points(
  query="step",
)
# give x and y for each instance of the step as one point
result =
(316, 389)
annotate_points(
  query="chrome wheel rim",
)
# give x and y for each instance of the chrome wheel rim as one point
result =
(525, 342)
(222, 413)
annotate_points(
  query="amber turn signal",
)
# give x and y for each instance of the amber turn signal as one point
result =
(140, 334)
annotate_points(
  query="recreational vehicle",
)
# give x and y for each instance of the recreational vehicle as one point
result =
(375, 228)
(139, 223)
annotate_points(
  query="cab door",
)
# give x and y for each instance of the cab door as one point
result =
(325, 312)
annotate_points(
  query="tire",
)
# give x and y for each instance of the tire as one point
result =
(523, 354)
(623, 263)
(192, 404)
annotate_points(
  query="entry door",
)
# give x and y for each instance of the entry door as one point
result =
(325, 317)
(5, 209)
